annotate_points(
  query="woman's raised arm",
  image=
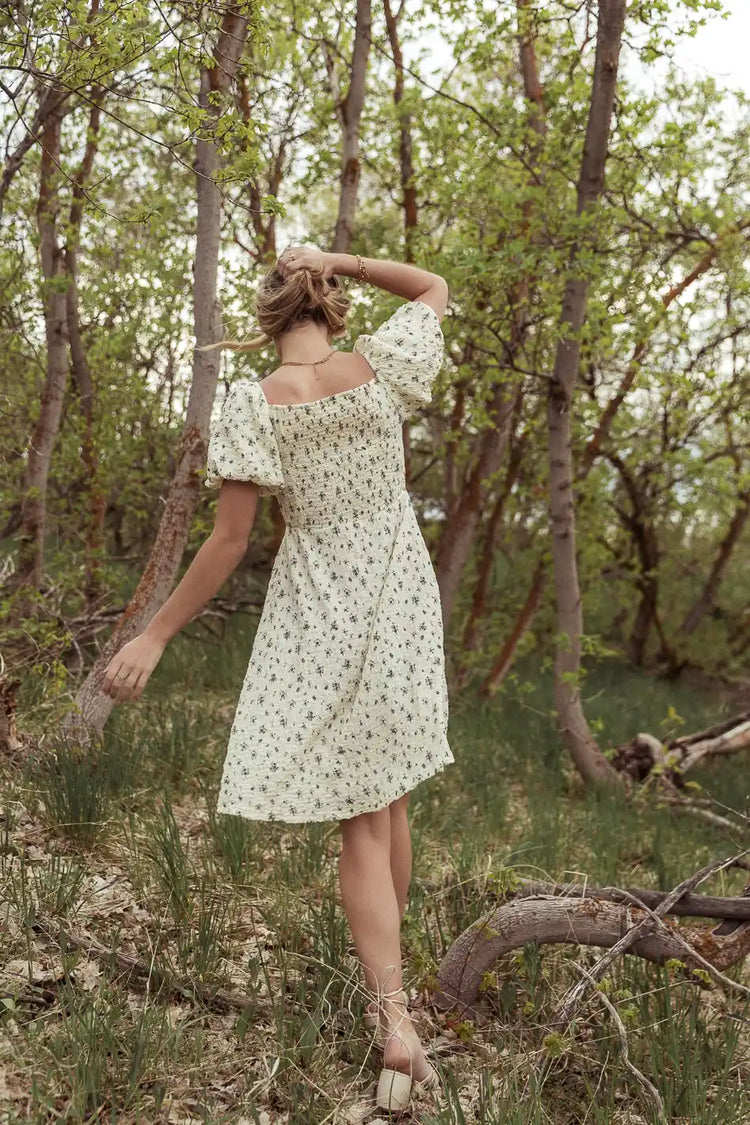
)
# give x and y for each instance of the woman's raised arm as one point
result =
(395, 277)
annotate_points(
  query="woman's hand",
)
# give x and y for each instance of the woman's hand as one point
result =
(128, 671)
(307, 258)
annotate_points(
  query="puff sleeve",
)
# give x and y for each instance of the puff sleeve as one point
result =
(242, 444)
(406, 354)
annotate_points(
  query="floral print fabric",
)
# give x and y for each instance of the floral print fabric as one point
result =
(344, 705)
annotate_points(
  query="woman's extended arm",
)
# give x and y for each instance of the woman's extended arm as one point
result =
(128, 671)
(395, 277)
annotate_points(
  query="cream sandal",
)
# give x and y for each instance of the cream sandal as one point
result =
(395, 1087)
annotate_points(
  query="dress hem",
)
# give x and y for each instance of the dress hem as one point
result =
(330, 817)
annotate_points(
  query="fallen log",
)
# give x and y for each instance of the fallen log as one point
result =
(644, 753)
(592, 917)
(690, 905)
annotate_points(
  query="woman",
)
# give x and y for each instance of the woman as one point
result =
(344, 707)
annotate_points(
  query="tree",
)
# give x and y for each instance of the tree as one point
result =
(581, 744)
(216, 77)
(349, 109)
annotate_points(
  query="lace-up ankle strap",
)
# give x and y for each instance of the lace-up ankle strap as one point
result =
(398, 996)
(379, 998)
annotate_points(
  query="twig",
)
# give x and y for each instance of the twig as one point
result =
(220, 998)
(565, 1010)
(647, 1085)
(653, 920)
(659, 924)
(704, 814)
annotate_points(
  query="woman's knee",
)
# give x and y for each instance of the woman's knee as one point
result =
(367, 828)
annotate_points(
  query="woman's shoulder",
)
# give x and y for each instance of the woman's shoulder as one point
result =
(406, 353)
(412, 330)
(411, 315)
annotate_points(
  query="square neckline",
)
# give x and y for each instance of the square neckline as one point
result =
(312, 401)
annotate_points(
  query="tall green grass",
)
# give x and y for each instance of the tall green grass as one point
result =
(215, 905)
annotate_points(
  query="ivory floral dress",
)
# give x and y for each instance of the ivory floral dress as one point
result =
(344, 705)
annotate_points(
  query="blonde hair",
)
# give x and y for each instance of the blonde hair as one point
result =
(281, 302)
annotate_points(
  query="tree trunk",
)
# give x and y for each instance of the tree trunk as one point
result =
(52, 104)
(155, 585)
(639, 524)
(53, 101)
(478, 612)
(644, 618)
(607, 417)
(80, 368)
(460, 527)
(34, 507)
(590, 762)
(646, 542)
(406, 163)
(504, 659)
(264, 222)
(705, 599)
(351, 114)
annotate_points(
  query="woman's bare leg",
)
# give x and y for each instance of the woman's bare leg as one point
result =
(401, 853)
(371, 905)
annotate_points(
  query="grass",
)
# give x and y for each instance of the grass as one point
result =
(235, 996)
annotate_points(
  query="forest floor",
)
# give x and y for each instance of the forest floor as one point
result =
(207, 972)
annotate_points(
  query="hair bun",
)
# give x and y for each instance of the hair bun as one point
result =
(304, 294)
(321, 290)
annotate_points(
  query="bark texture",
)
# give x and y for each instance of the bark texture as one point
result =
(405, 159)
(30, 570)
(589, 761)
(559, 920)
(350, 117)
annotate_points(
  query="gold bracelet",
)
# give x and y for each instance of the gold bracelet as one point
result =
(363, 274)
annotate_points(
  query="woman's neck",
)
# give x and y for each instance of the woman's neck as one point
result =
(304, 344)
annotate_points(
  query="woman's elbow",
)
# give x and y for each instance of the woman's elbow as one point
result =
(438, 295)
(439, 285)
(229, 544)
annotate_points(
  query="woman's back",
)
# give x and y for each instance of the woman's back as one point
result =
(339, 454)
(292, 384)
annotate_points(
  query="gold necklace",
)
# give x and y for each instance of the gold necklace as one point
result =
(307, 363)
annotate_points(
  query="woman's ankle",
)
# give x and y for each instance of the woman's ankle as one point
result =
(394, 1018)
